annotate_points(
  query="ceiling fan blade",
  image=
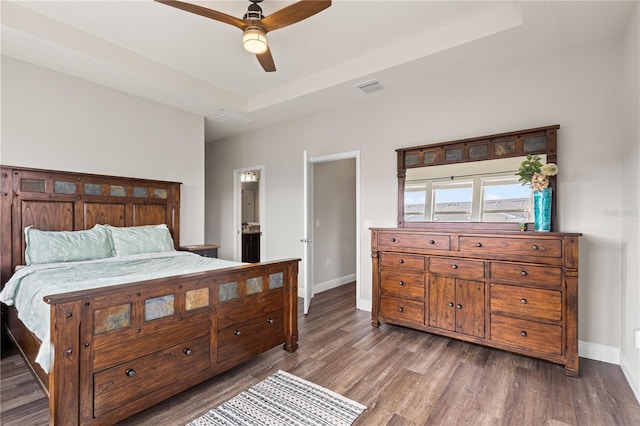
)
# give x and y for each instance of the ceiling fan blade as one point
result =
(293, 13)
(207, 13)
(266, 60)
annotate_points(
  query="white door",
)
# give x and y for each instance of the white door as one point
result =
(307, 253)
(307, 258)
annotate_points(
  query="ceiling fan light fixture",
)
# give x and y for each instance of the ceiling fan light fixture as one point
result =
(254, 40)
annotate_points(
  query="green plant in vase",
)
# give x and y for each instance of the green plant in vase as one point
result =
(532, 172)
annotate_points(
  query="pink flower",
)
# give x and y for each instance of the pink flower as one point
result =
(539, 182)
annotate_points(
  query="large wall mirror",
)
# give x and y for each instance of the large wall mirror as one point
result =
(472, 182)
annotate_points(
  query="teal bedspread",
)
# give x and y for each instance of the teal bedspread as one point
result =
(28, 286)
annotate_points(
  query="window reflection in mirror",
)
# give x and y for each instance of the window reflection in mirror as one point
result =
(504, 199)
(485, 191)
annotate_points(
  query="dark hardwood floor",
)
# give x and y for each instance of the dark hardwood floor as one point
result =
(403, 376)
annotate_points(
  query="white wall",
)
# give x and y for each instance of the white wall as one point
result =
(55, 121)
(580, 89)
(630, 212)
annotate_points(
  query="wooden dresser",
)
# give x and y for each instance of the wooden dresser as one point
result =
(516, 291)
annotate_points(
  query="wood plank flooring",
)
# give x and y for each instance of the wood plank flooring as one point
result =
(404, 377)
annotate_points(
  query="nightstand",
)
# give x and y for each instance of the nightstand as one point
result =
(206, 250)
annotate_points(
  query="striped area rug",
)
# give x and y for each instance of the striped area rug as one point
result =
(284, 399)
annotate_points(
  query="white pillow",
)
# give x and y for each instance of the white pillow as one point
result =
(66, 246)
(140, 239)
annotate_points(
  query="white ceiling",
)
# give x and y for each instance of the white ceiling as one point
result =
(197, 64)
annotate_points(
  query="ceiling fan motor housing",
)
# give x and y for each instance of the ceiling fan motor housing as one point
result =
(254, 12)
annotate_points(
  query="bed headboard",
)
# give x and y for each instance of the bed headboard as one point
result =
(67, 201)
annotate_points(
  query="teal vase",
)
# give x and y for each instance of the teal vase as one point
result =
(542, 210)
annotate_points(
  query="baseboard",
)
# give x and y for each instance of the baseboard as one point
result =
(328, 285)
(364, 305)
(632, 383)
(599, 352)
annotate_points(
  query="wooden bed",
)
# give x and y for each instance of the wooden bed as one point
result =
(101, 377)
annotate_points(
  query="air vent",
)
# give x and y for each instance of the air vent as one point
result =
(370, 86)
(232, 120)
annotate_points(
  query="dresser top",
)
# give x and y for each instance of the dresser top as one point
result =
(467, 230)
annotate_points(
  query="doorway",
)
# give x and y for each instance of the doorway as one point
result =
(326, 229)
(249, 213)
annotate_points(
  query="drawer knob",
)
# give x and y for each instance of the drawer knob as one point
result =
(459, 306)
(523, 301)
(400, 309)
(236, 332)
(454, 266)
(478, 244)
(270, 320)
(432, 242)
(401, 261)
(130, 372)
(523, 333)
(534, 247)
(187, 351)
(393, 240)
(401, 283)
(450, 304)
(523, 273)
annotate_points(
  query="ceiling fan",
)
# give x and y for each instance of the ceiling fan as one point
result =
(255, 25)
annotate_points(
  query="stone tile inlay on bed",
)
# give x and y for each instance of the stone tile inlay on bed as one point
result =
(92, 189)
(160, 193)
(111, 318)
(62, 187)
(228, 291)
(159, 307)
(140, 192)
(32, 185)
(117, 191)
(198, 298)
(254, 285)
(276, 280)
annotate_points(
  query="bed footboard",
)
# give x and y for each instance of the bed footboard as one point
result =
(121, 349)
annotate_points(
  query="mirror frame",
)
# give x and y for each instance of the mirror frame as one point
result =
(502, 145)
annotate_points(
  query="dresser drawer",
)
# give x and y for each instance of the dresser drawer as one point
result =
(527, 302)
(543, 247)
(409, 285)
(400, 260)
(453, 267)
(407, 311)
(242, 341)
(520, 273)
(132, 380)
(535, 336)
(396, 240)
